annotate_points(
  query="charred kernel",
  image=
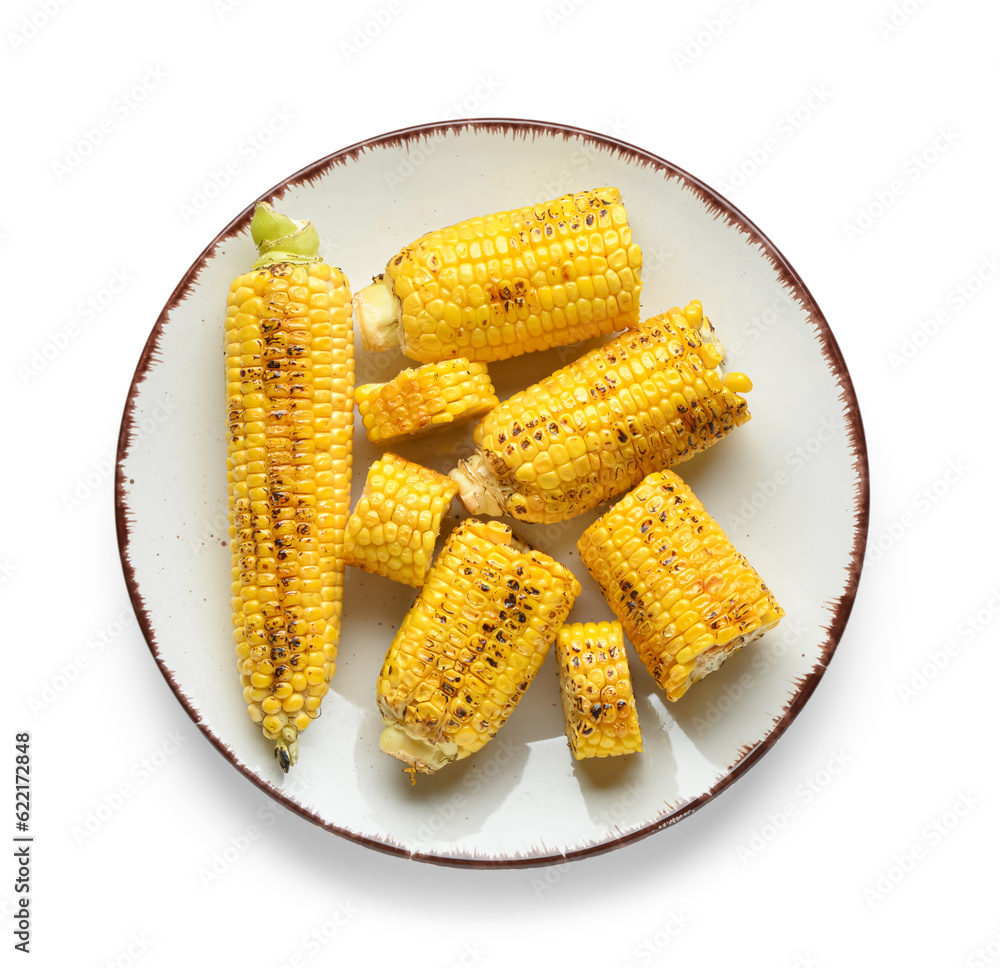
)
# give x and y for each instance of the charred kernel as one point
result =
(688, 612)
(418, 401)
(508, 283)
(640, 403)
(588, 655)
(294, 321)
(452, 674)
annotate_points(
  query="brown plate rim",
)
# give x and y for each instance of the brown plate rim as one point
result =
(723, 208)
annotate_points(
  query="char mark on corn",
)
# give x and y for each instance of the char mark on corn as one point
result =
(289, 364)
(471, 645)
(648, 399)
(508, 283)
(687, 599)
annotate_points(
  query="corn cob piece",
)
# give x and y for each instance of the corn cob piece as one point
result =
(685, 596)
(418, 401)
(290, 378)
(596, 689)
(396, 522)
(647, 399)
(505, 284)
(471, 645)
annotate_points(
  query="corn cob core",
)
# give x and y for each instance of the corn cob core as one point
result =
(596, 690)
(418, 401)
(686, 597)
(471, 645)
(648, 399)
(509, 283)
(290, 375)
(395, 524)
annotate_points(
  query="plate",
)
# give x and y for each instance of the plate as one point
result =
(790, 488)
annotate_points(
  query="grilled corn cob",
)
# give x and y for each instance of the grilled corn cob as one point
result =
(596, 689)
(396, 521)
(649, 398)
(420, 400)
(290, 377)
(494, 287)
(468, 649)
(685, 596)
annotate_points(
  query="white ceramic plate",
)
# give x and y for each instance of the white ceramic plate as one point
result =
(790, 487)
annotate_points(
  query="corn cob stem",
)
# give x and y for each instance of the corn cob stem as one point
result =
(282, 239)
(378, 310)
(478, 487)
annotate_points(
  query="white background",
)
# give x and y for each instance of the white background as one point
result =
(866, 134)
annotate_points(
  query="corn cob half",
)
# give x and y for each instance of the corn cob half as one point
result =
(596, 690)
(396, 522)
(290, 377)
(471, 645)
(685, 596)
(427, 398)
(508, 283)
(647, 399)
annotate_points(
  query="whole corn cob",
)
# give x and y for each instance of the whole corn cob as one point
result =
(647, 399)
(395, 524)
(290, 377)
(685, 596)
(494, 287)
(417, 401)
(596, 689)
(468, 649)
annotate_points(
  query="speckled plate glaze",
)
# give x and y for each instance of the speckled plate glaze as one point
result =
(790, 488)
